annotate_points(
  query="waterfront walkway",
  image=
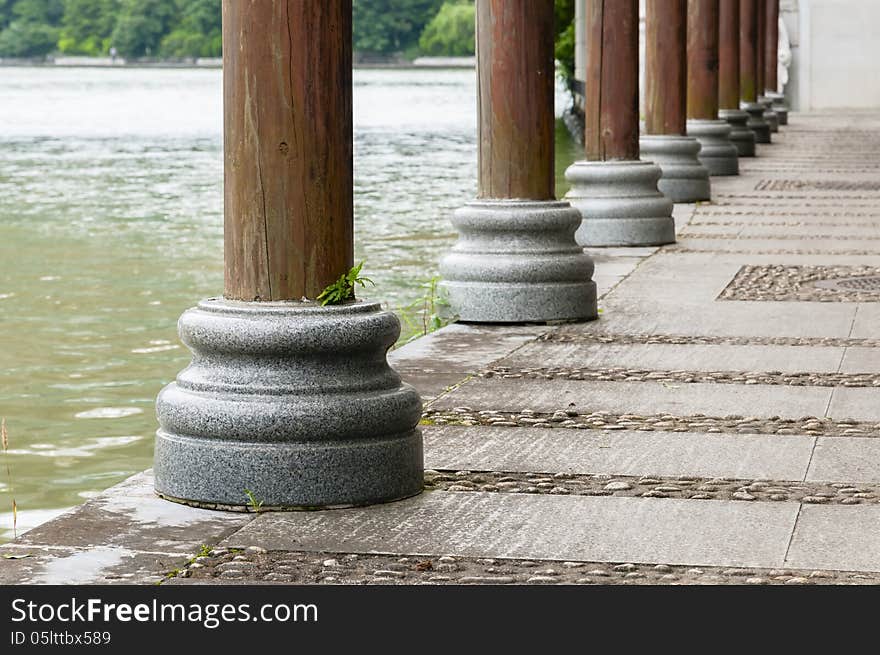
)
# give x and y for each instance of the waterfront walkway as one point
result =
(720, 423)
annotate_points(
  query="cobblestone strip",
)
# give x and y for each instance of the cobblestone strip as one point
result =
(257, 566)
(694, 488)
(790, 237)
(788, 197)
(675, 339)
(786, 283)
(811, 224)
(771, 251)
(797, 379)
(818, 185)
(570, 419)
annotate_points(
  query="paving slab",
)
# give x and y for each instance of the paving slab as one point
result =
(624, 452)
(835, 538)
(561, 528)
(82, 566)
(840, 246)
(667, 357)
(845, 459)
(673, 315)
(857, 403)
(866, 323)
(513, 395)
(131, 517)
(861, 360)
(443, 358)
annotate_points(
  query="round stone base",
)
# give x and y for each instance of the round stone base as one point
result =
(770, 114)
(518, 262)
(756, 122)
(620, 204)
(685, 178)
(779, 107)
(717, 153)
(291, 403)
(740, 135)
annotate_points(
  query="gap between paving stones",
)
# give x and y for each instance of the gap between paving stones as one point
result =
(799, 379)
(731, 236)
(571, 420)
(687, 487)
(258, 566)
(675, 339)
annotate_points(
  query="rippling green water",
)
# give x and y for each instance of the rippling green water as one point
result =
(111, 226)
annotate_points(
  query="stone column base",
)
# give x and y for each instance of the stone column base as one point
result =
(517, 261)
(756, 122)
(770, 114)
(684, 178)
(717, 153)
(620, 204)
(740, 135)
(779, 107)
(291, 402)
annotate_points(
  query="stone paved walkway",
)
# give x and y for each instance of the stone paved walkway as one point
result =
(719, 423)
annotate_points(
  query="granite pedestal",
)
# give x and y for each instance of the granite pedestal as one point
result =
(756, 122)
(684, 178)
(740, 135)
(620, 204)
(291, 402)
(517, 261)
(717, 153)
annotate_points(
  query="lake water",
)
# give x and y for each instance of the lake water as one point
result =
(111, 226)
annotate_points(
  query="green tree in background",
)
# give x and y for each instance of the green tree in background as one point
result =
(141, 26)
(451, 32)
(30, 27)
(386, 27)
(199, 32)
(191, 28)
(565, 38)
(87, 26)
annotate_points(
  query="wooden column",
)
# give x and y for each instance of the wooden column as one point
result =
(288, 147)
(748, 50)
(771, 54)
(702, 59)
(728, 54)
(516, 78)
(666, 67)
(612, 80)
(760, 47)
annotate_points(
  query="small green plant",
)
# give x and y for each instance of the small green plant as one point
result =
(4, 440)
(427, 313)
(343, 289)
(256, 505)
(204, 551)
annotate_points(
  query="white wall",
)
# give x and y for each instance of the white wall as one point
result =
(838, 62)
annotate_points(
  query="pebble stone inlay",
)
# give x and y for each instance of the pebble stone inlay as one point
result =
(694, 488)
(570, 419)
(797, 379)
(792, 237)
(675, 339)
(786, 283)
(288, 567)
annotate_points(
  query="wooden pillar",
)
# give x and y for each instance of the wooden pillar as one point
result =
(748, 50)
(771, 53)
(728, 55)
(516, 78)
(288, 147)
(612, 80)
(760, 47)
(666, 67)
(702, 59)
